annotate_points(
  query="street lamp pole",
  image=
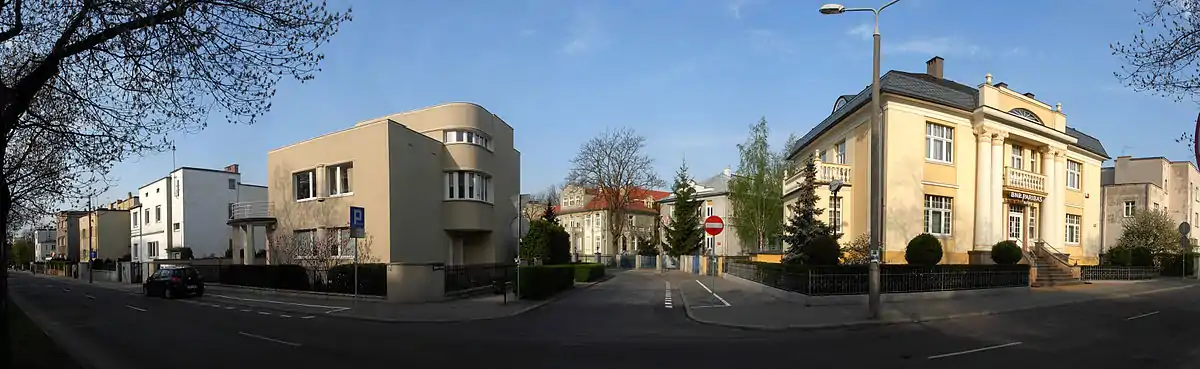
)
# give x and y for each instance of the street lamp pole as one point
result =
(877, 212)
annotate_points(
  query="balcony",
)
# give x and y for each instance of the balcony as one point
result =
(826, 172)
(251, 212)
(1024, 180)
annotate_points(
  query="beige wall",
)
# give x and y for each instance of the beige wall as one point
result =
(1152, 182)
(106, 232)
(726, 243)
(398, 177)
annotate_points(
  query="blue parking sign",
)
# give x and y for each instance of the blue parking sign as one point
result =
(357, 221)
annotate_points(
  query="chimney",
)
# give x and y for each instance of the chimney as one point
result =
(1029, 95)
(232, 168)
(934, 66)
(1001, 85)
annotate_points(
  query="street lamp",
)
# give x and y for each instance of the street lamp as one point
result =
(877, 160)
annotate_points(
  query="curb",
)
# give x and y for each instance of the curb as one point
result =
(81, 351)
(97, 285)
(895, 321)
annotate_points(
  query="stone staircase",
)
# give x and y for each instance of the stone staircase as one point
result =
(1051, 270)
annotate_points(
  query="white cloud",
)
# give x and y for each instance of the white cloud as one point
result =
(735, 8)
(943, 46)
(863, 31)
(585, 33)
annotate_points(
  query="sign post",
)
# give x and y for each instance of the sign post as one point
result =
(713, 225)
(1185, 247)
(357, 230)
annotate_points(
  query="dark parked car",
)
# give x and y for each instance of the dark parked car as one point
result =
(172, 282)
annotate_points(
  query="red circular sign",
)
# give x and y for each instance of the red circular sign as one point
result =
(713, 225)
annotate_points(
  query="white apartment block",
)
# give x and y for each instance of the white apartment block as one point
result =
(190, 208)
(45, 241)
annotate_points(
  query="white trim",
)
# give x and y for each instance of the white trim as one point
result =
(908, 107)
(939, 184)
(1074, 205)
(1007, 119)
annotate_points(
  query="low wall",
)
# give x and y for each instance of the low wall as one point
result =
(862, 299)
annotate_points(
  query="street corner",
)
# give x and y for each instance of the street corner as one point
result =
(233, 300)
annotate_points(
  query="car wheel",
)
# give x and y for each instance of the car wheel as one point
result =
(168, 293)
(145, 291)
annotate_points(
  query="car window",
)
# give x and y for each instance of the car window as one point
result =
(177, 273)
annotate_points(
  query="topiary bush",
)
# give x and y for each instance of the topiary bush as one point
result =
(1006, 253)
(823, 250)
(924, 249)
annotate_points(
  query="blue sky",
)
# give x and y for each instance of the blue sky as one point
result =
(691, 75)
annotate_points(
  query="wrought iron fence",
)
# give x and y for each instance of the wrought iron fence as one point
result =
(854, 279)
(465, 277)
(1118, 273)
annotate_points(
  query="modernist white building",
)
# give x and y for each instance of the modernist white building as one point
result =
(45, 241)
(190, 208)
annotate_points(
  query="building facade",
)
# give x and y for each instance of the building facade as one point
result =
(586, 218)
(714, 192)
(45, 242)
(67, 226)
(104, 231)
(1132, 185)
(995, 165)
(190, 208)
(439, 186)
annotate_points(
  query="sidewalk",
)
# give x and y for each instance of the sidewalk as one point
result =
(737, 305)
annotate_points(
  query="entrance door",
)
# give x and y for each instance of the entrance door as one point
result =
(1016, 224)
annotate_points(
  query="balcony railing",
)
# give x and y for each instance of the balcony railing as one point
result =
(1024, 180)
(826, 172)
(251, 210)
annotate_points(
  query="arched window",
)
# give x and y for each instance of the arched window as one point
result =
(841, 101)
(1025, 113)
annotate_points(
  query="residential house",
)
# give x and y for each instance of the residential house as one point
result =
(996, 165)
(439, 186)
(714, 193)
(190, 207)
(45, 242)
(585, 216)
(1155, 183)
(105, 232)
(67, 227)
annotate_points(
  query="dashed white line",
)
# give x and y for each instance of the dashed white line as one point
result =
(1142, 316)
(307, 317)
(135, 308)
(293, 344)
(263, 313)
(667, 298)
(973, 351)
(230, 308)
(713, 293)
(245, 310)
(66, 290)
(284, 316)
(90, 297)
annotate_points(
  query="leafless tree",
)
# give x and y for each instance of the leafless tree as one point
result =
(101, 81)
(319, 254)
(1164, 56)
(616, 166)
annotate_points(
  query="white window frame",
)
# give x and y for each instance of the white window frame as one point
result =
(1018, 157)
(469, 185)
(1073, 224)
(1074, 175)
(158, 213)
(341, 237)
(305, 249)
(840, 149)
(312, 184)
(338, 177)
(835, 214)
(943, 135)
(942, 206)
(152, 249)
(1129, 209)
(468, 136)
(708, 208)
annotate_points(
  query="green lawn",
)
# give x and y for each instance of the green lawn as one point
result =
(31, 348)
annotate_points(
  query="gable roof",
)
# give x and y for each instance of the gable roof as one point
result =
(923, 87)
(713, 186)
(599, 203)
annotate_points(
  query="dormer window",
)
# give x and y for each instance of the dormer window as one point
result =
(1026, 114)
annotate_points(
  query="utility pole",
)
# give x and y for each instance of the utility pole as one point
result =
(91, 233)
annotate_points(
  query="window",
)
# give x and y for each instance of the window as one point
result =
(338, 177)
(840, 149)
(631, 221)
(176, 227)
(824, 156)
(939, 143)
(133, 219)
(468, 186)
(233, 183)
(708, 208)
(1156, 206)
(587, 220)
(147, 216)
(1074, 175)
(1073, 222)
(1018, 157)
(304, 242)
(937, 215)
(305, 185)
(152, 248)
(1026, 114)
(710, 244)
(158, 213)
(835, 214)
(1033, 231)
(229, 209)
(469, 137)
(1130, 208)
(340, 242)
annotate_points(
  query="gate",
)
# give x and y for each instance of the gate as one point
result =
(695, 264)
(135, 272)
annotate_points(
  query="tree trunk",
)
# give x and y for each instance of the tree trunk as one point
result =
(5, 336)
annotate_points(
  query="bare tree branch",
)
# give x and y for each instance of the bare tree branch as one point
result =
(615, 165)
(1164, 56)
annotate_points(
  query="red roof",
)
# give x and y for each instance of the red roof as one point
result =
(599, 203)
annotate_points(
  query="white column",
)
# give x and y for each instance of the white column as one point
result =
(1000, 220)
(1046, 218)
(247, 245)
(1058, 217)
(983, 189)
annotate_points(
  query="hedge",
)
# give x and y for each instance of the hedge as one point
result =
(285, 277)
(588, 272)
(540, 282)
(372, 279)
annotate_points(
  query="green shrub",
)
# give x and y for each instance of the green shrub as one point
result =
(588, 272)
(924, 249)
(1006, 253)
(822, 250)
(372, 279)
(547, 242)
(540, 282)
(1171, 265)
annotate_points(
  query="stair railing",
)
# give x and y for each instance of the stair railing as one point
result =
(1044, 247)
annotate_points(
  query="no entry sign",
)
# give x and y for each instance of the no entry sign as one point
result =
(713, 225)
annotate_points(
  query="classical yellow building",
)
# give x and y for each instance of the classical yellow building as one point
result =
(970, 165)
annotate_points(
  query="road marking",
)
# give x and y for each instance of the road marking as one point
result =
(245, 310)
(307, 317)
(974, 351)
(708, 306)
(263, 313)
(332, 309)
(667, 300)
(90, 297)
(713, 293)
(230, 308)
(1143, 315)
(284, 316)
(135, 308)
(293, 344)
(66, 290)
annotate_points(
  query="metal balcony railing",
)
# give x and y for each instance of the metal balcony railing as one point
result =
(1024, 180)
(251, 210)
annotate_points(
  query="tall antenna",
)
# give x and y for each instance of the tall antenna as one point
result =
(173, 155)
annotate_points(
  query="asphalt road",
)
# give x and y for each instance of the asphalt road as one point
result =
(623, 323)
